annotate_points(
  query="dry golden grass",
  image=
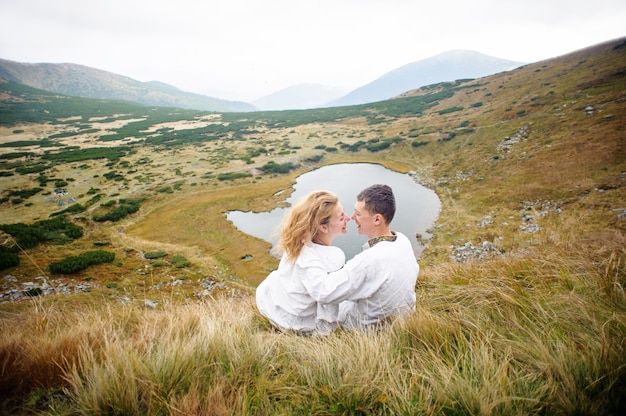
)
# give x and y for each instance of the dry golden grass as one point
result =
(539, 333)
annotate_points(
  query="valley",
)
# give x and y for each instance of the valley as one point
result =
(521, 286)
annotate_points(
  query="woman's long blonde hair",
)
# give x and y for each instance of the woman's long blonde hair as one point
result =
(302, 222)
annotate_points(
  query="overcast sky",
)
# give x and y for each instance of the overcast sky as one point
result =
(245, 49)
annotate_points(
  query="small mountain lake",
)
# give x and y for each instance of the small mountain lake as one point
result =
(417, 207)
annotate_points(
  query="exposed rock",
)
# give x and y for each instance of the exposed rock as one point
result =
(14, 291)
(463, 253)
(532, 210)
(507, 143)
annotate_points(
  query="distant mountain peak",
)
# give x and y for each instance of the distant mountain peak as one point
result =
(446, 66)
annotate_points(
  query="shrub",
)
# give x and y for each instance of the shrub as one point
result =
(73, 264)
(375, 147)
(314, 159)
(25, 193)
(58, 230)
(154, 254)
(126, 207)
(353, 147)
(165, 190)
(450, 110)
(74, 209)
(8, 260)
(179, 261)
(229, 176)
(273, 167)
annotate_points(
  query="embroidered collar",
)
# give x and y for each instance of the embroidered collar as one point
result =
(372, 242)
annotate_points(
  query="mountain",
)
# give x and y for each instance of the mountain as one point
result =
(83, 81)
(447, 66)
(300, 96)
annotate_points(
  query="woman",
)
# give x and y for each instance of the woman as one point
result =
(287, 297)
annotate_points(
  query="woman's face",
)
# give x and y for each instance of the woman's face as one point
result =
(337, 223)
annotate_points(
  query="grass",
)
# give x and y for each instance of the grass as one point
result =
(534, 334)
(539, 329)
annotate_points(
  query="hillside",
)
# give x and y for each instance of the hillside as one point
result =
(444, 67)
(497, 144)
(82, 81)
(521, 300)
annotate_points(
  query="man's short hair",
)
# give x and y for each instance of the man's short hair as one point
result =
(379, 199)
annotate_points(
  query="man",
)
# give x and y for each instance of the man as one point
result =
(388, 262)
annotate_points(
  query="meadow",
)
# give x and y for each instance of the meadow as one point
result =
(530, 161)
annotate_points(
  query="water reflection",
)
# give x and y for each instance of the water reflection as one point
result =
(417, 207)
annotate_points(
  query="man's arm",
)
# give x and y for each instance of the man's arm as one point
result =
(332, 287)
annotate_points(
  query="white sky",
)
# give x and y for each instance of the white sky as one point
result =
(245, 49)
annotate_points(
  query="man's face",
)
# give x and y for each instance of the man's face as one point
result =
(364, 219)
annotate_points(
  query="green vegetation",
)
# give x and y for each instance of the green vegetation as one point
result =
(25, 193)
(450, 110)
(8, 259)
(419, 143)
(124, 208)
(155, 255)
(57, 230)
(72, 209)
(273, 167)
(73, 264)
(179, 261)
(78, 155)
(230, 176)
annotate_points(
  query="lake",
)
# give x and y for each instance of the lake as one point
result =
(417, 207)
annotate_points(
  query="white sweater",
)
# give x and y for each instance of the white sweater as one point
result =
(286, 296)
(390, 271)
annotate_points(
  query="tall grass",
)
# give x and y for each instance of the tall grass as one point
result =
(542, 333)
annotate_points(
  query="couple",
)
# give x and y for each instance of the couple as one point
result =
(314, 290)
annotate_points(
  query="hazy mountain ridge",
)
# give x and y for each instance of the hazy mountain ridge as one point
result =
(83, 81)
(447, 66)
(300, 96)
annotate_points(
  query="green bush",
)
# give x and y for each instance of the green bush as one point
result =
(179, 261)
(58, 230)
(74, 209)
(25, 193)
(229, 176)
(73, 264)
(8, 260)
(375, 147)
(155, 254)
(126, 207)
(450, 110)
(273, 167)
(314, 159)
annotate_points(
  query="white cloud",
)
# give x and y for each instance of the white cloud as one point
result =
(248, 48)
